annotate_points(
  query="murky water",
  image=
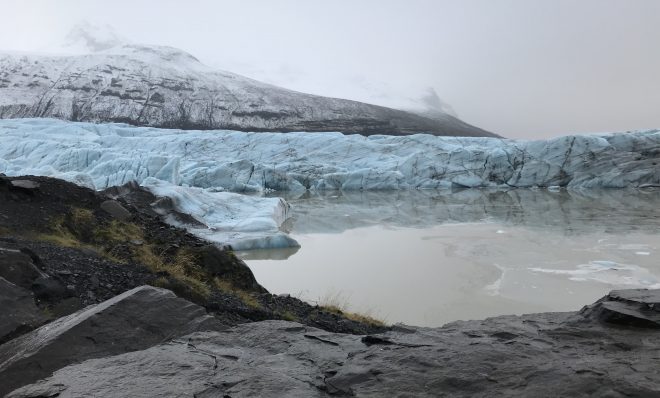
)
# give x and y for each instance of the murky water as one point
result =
(430, 257)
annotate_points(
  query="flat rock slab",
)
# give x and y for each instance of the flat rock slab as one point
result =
(510, 356)
(134, 320)
(645, 297)
(25, 184)
(633, 307)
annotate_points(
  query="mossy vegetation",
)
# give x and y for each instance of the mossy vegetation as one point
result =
(246, 297)
(288, 316)
(337, 303)
(124, 242)
(354, 316)
(59, 234)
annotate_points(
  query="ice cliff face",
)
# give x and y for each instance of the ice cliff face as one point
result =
(196, 168)
(166, 87)
(100, 156)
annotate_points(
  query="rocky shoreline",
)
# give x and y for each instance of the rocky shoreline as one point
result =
(100, 297)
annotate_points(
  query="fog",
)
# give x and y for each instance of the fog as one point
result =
(520, 68)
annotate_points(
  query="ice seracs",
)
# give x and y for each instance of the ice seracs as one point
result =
(113, 154)
(195, 167)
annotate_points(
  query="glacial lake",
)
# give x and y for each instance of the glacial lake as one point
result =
(431, 257)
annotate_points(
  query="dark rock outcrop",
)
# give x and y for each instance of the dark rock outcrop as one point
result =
(135, 320)
(116, 210)
(552, 354)
(18, 268)
(219, 263)
(18, 312)
(637, 308)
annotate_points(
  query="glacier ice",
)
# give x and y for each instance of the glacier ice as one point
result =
(113, 154)
(242, 221)
(200, 169)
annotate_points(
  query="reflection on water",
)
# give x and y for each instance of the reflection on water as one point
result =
(429, 257)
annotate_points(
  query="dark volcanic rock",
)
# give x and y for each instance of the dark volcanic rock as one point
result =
(25, 185)
(638, 308)
(544, 355)
(131, 321)
(49, 289)
(18, 311)
(224, 264)
(18, 268)
(115, 209)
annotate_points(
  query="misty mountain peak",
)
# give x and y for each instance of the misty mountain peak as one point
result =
(93, 38)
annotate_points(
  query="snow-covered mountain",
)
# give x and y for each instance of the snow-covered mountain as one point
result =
(166, 87)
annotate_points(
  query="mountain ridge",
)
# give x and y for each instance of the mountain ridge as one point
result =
(160, 86)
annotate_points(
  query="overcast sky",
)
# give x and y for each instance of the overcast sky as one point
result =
(520, 68)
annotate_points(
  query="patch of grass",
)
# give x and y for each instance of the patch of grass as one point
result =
(68, 230)
(182, 268)
(354, 316)
(288, 316)
(59, 234)
(118, 232)
(160, 282)
(337, 303)
(82, 217)
(79, 228)
(227, 287)
(364, 318)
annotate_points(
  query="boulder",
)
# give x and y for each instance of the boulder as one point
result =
(49, 289)
(134, 320)
(18, 268)
(18, 312)
(26, 185)
(633, 307)
(116, 210)
(225, 265)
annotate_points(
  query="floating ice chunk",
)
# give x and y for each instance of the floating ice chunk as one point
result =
(241, 221)
(495, 288)
(608, 272)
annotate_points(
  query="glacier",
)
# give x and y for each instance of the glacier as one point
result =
(201, 169)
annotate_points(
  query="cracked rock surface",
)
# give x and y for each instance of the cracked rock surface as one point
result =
(552, 354)
(134, 320)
